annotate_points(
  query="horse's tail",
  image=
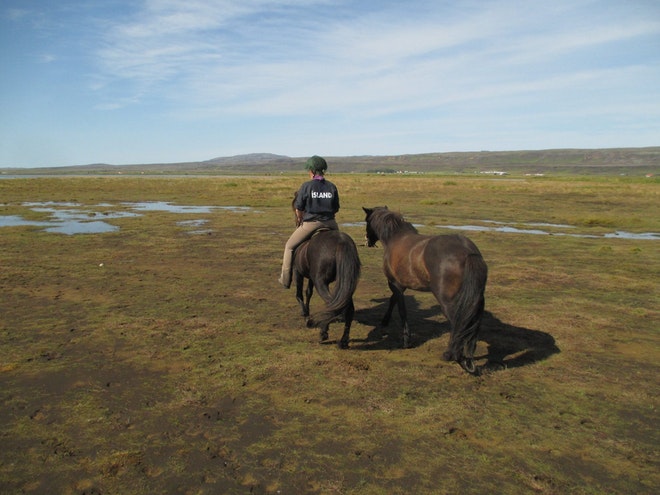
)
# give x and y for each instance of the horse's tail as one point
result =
(346, 280)
(468, 312)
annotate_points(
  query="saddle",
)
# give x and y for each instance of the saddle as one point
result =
(318, 231)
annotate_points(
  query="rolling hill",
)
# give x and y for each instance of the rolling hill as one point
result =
(609, 161)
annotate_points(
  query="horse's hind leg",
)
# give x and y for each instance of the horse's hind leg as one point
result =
(323, 333)
(348, 319)
(467, 362)
(323, 290)
(463, 353)
(465, 359)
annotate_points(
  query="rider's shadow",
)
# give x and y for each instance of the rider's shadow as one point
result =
(508, 346)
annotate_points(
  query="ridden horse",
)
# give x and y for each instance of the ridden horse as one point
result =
(450, 266)
(328, 256)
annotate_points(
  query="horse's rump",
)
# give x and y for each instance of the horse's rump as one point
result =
(335, 260)
(326, 257)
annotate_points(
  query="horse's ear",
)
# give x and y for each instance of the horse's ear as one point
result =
(367, 210)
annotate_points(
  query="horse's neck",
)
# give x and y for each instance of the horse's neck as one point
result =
(405, 229)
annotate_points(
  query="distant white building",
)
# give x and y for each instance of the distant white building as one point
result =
(494, 172)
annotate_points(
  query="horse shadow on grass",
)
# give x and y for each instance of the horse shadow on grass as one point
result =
(508, 346)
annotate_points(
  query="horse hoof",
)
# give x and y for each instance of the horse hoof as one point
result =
(468, 365)
(323, 336)
(343, 345)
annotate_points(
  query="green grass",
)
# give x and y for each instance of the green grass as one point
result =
(180, 366)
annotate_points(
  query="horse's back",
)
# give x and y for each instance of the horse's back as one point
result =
(417, 248)
(329, 240)
(425, 262)
(450, 246)
(451, 242)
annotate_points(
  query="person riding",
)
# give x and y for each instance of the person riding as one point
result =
(316, 203)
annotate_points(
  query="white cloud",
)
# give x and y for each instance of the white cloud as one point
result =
(16, 14)
(246, 57)
(47, 58)
(419, 75)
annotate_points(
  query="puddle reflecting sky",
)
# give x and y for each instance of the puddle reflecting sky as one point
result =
(75, 227)
(168, 207)
(73, 218)
(505, 228)
(16, 221)
(508, 229)
(172, 208)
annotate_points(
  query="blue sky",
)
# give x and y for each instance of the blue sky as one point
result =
(154, 81)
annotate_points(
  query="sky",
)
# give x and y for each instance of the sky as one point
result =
(165, 81)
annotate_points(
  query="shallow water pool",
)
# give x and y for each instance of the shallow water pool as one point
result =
(73, 218)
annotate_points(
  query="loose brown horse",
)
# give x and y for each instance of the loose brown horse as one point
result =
(328, 256)
(450, 266)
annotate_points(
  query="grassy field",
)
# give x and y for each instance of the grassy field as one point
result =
(164, 358)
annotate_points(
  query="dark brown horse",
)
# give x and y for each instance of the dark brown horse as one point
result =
(450, 266)
(328, 256)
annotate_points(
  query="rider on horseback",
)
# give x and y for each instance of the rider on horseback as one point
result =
(316, 203)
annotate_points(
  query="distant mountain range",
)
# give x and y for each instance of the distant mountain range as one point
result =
(609, 161)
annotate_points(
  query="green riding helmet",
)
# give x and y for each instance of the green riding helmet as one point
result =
(316, 164)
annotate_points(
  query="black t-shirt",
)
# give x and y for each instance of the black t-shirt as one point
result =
(319, 199)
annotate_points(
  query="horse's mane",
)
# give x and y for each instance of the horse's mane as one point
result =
(386, 223)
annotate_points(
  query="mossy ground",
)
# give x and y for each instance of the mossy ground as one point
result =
(155, 360)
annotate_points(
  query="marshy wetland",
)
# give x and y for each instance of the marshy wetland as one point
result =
(147, 348)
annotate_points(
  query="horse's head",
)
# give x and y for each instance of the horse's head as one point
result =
(372, 236)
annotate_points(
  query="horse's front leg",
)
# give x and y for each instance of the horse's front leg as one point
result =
(300, 281)
(308, 296)
(397, 299)
(388, 314)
